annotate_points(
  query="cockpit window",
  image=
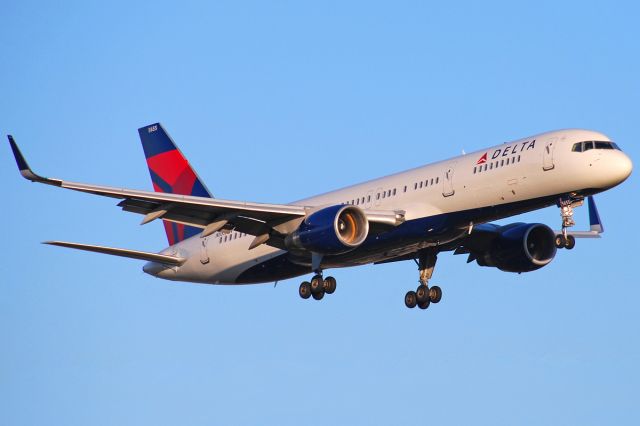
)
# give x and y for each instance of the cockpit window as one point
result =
(603, 145)
(587, 145)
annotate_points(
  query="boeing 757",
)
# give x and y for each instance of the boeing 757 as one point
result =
(445, 206)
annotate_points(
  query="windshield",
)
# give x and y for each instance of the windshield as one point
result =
(587, 145)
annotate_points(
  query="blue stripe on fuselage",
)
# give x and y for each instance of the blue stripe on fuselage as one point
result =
(408, 234)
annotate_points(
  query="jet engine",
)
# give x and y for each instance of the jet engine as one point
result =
(332, 230)
(520, 247)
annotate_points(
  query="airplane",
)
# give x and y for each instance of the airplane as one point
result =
(446, 206)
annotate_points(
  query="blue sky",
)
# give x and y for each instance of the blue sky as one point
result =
(275, 101)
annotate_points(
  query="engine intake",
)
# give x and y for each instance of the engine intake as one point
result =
(332, 230)
(521, 247)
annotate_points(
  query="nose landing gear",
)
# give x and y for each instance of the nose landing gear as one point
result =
(566, 213)
(424, 295)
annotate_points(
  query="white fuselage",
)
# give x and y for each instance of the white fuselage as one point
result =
(535, 167)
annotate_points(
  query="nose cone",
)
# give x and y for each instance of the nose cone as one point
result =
(622, 167)
(610, 168)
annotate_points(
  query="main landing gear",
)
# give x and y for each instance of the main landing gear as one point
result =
(565, 240)
(318, 287)
(424, 295)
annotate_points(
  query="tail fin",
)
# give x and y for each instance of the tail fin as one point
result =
(170, 173)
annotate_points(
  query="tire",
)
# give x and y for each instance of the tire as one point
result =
(410, 299)
(424, 305)
(435, 294)
(305, 290)
(317, 284)
(571, 242)
(560, 241)
(319, 295)
(422, 294)
(330, 285)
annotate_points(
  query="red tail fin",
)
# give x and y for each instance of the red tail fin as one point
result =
(170, 173)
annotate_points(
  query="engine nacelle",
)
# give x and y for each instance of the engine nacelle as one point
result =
(521, 247)
(332, 230)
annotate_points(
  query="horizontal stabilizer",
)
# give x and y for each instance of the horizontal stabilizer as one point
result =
(133, 254)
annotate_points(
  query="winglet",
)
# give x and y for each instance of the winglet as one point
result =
(594, 217)
(24, 168)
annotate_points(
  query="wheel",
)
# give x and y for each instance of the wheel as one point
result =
(570, 243)
(330, 285)
(435, 294)
(422, 293)
(425, 304)
(317, 284)
(410, 299)
(319, 295)
(305, 290)
(560, 241)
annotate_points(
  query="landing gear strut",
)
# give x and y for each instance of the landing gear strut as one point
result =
(566, 213)
(424, 295)
(318, 287)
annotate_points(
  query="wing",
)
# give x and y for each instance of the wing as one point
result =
(268, 222)
(482, 236)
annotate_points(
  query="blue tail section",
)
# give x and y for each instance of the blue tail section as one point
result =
(170, 173)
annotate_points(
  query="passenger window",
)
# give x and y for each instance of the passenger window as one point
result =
(369, 198)
(384, 194)
(405, 188)
(474, 170)
(394, 191)
(431, 181)
(501, 163)
(491, 166)
(420, 184)
(378, 196)
(437, 180)
(508, 161)
(577, 147)
(362, 200)
(588, 146)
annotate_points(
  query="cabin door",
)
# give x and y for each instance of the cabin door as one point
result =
(447, 181)
(547, 155)
(204, 254)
